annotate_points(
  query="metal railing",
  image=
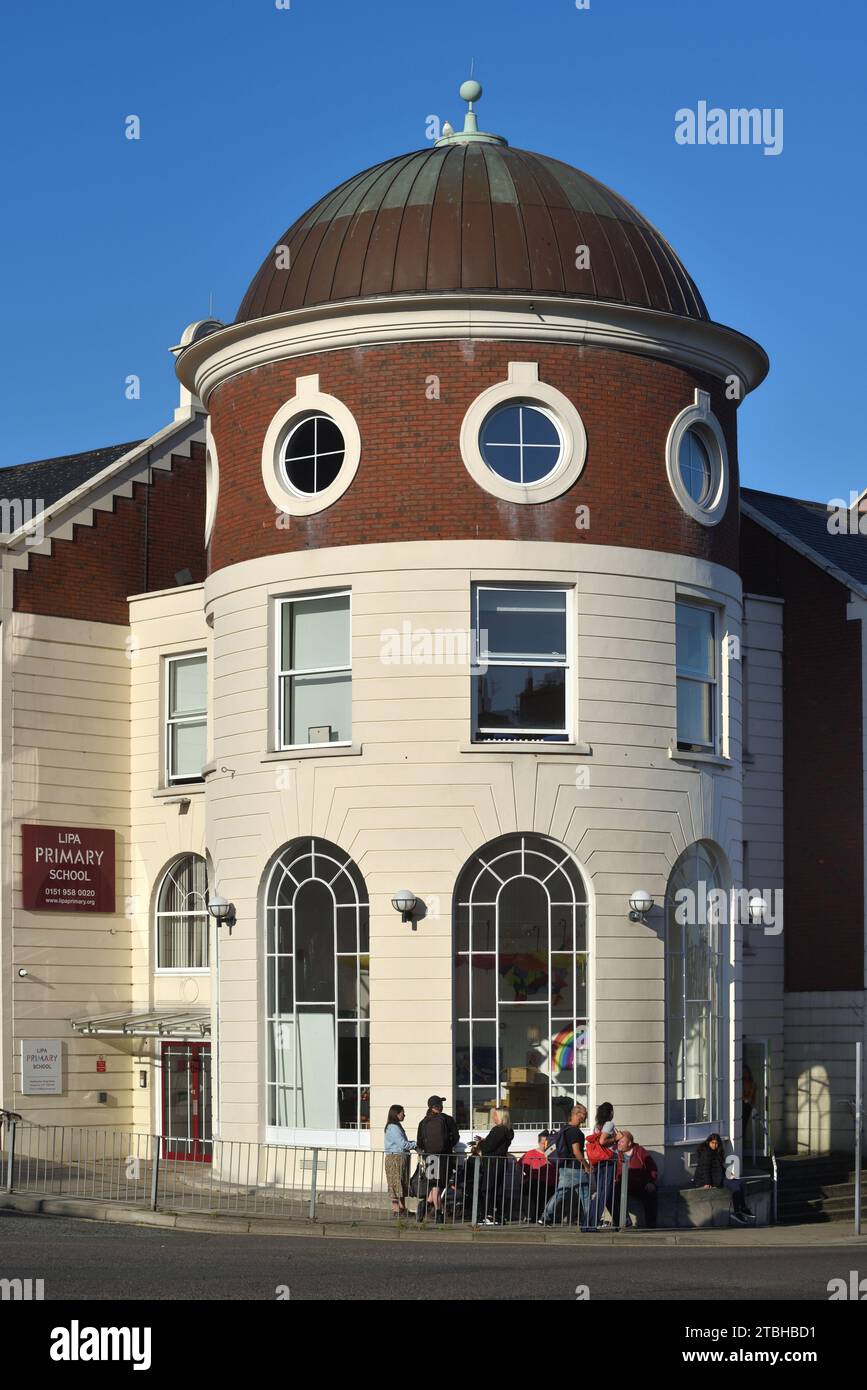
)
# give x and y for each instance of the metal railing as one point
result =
(762, 1122)
(307, 1184)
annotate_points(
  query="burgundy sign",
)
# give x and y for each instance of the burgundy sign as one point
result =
(67, 868)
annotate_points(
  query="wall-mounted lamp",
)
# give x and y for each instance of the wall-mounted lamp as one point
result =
(403, 901)
(223, 912)
(23, 974)
(758, 908)
(143, 1079)
(640, 902)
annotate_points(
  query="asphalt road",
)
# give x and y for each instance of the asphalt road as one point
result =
(98, 1261)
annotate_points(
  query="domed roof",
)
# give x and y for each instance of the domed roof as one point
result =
(472, 216)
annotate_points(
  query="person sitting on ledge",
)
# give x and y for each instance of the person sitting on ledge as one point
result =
(710, 1172)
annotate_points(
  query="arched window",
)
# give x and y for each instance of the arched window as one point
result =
(521, 1011)
(695, 916)
(182, 915)
(318, 963)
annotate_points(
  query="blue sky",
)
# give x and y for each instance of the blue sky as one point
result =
(250, 113)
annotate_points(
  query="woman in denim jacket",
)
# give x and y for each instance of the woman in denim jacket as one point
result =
(397, 1151)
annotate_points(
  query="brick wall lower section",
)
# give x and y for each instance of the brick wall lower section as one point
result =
(138, 546)
(412, 482)
(822, 775)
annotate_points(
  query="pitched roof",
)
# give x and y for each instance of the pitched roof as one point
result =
(47, 480)
(805, 525)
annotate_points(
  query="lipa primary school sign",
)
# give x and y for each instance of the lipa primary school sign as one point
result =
(67, 869)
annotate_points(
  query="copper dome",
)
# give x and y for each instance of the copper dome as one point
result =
(472, 216)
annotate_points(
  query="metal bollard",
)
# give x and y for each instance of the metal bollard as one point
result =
(477, 1172)
(314, 1165)
(624, 1198)
(156, 1142)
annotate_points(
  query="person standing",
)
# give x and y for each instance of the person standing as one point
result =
(397, 1151)
(572, 1168)
(496, 1175)
(601, 1150)
(437, 1135)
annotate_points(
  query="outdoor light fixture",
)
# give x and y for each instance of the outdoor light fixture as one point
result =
(758, 908)
(403, 901)
(23, 974)
(640, 901)
(222, 912)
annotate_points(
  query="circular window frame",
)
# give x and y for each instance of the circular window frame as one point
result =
(212, 482)
(308, 400)
(299, 420)
(700, 418)
(524, 388)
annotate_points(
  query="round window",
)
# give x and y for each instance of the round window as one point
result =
(313, 455)
(521, 443)
(695, 466)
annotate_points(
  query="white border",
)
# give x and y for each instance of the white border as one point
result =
(308, 399)
(523, 385)
(212, 481)
(701, 418)
(697, 343)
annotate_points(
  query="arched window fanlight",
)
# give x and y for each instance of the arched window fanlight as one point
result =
(521, 983)
(182, 916)
(318, 969)
(695, 927)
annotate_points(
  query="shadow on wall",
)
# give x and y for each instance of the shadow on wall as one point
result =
(823, 1109)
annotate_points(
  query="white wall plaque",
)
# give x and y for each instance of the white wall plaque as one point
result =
(41, 1068)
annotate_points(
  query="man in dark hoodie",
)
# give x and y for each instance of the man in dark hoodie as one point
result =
(437, 1135)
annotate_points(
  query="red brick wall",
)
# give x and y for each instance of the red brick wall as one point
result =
(411, 482)
(823, 923)
(137, 547)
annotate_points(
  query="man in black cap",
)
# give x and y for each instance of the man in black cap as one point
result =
(437, 1135)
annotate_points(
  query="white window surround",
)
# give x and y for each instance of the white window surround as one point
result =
(523, 386)
(700, 417)
(318, 1138)
(159, 914)
(171, 783)
(308, 400)
(534, 740)
(280, 749)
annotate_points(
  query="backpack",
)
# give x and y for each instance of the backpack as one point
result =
(562, 1150)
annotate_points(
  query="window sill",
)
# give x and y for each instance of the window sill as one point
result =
(182, 790)
(314, 750)
(680, 755)
(507, 746)
(164, 970)
(318, 1138)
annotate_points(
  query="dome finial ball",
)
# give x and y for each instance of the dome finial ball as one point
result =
(471, 90)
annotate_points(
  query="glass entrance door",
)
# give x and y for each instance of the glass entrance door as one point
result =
(187, 1101)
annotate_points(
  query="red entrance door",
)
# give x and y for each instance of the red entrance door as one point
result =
(187, 1101)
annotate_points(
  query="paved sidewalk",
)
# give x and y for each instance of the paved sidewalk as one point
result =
(765, 1237)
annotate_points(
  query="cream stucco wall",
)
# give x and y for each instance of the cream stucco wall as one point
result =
(416, 801)
(68, 763)
(163, 624)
